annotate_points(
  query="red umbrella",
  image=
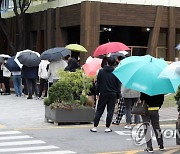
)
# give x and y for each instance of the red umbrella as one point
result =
(109, 48)
(92, 67)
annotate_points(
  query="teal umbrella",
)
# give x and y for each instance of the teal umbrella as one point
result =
(141, 73)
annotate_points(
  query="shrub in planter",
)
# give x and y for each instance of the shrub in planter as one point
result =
(177, 98)
(70, 91)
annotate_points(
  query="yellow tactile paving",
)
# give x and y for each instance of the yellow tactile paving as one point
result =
(169, 150)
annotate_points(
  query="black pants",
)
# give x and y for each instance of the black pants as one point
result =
(32, 87)
(108, 99)
(153, 118)
(6, 83)
(43, 83)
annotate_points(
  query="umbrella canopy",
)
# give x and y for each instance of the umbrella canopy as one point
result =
(28, 58)
(141, 73)
(24, 51)
(124, 52)
(11, 65)
(76, 47)
(117, 54)
(55, 54)
(2, 56)
(178, 47)
(172, 71)
(92, 66)
(109, 48)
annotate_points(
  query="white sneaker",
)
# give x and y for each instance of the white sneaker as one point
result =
(107, 130)
(93, 129)
(127, 127)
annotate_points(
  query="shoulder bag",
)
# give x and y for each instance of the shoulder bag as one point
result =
(140, 108)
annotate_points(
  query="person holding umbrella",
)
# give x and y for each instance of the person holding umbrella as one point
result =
(72, 64)
(6, 77)
(12, 66)
(43, 76)
(31, 75)
(108, 89)
(154, 104)
(54, 67)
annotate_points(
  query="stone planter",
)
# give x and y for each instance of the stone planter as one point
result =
(69, 116)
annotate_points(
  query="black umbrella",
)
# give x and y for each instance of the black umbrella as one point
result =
(29, 58)
(11, 65)
(55, 54)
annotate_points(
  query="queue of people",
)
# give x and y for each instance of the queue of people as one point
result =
(26, 79)
(108, 89)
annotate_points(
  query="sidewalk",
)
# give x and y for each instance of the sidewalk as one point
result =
(18, 112)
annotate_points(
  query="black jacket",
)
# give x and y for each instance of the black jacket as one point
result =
(153, 101)
(29, 72)
(107, 81)
(72, 65)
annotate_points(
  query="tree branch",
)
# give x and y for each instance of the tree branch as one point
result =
(20, 6)
(15, 8)
(27, 6)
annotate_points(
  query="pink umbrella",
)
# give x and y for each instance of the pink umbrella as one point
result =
(109, 48)
(92, 67)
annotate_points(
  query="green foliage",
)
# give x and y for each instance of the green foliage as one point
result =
(177, 98)
(71, 89)
(46, 102)
(177, 95)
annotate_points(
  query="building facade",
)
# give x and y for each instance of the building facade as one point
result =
(146, 26)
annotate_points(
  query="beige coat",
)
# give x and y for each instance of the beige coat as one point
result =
(129, 93)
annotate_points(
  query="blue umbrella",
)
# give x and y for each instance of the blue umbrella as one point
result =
(11, 65)
(55, 54)
(141, 73)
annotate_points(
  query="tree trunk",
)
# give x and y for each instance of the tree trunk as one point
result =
(3, 27)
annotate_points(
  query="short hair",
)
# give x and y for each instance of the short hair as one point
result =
(111, 61)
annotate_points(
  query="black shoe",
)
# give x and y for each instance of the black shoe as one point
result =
(161, 148)
(6, 94)
(150, 150)
(115, 123)
(29, 97)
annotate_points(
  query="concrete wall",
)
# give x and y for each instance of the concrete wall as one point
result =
(42, 5)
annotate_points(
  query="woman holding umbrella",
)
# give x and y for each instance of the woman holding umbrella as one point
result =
(12, 66)
(6, 77)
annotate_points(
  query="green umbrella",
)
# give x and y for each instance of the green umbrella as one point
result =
(76, 47)
(141, 73)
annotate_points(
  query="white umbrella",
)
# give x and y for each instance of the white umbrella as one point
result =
(2, 56)
(172, 71)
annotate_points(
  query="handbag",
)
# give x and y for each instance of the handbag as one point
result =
(140, 108)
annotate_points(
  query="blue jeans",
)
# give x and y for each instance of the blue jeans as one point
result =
(129, 102)
(17, 84)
